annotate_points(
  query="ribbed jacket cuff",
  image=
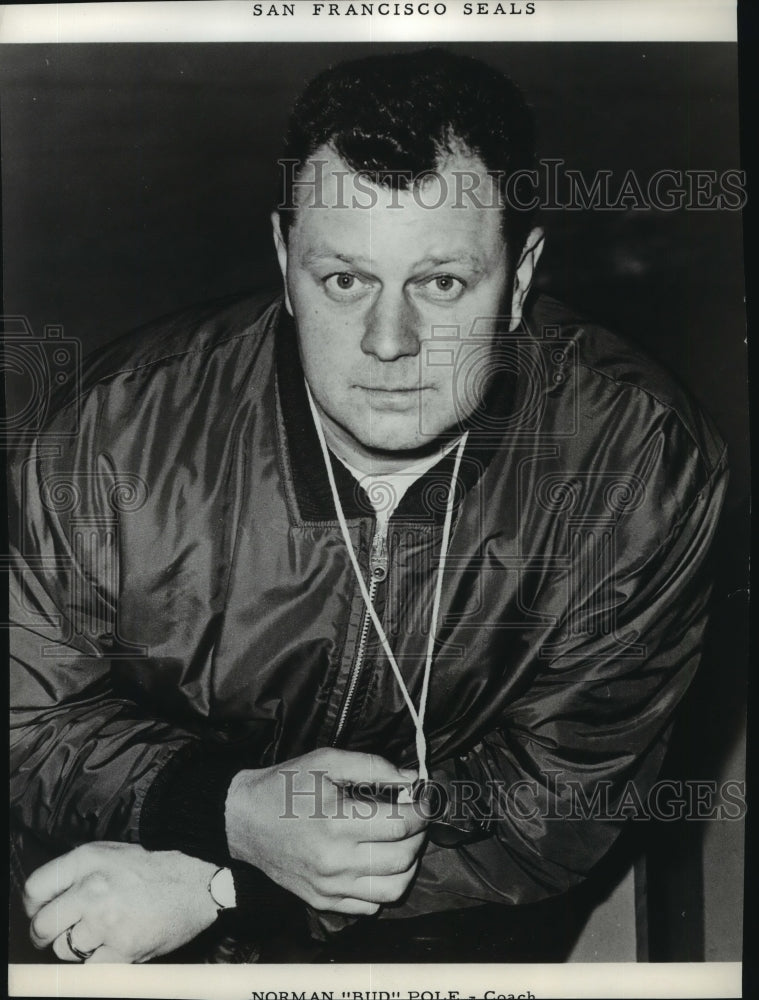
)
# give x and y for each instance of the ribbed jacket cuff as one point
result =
(184, 807)
(256, 893)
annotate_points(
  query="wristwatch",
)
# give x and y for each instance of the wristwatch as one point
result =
(221, 888)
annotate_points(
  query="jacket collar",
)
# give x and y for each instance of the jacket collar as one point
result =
(422, 502)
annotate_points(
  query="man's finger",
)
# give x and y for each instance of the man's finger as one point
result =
(54, 918)
(381, 889)
(82, 937)
(354, 907)
(379, 858)
(62, 950)
(55, 877)
(348, 767)
(391, 821)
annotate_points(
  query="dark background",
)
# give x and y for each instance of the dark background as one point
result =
(139, 178)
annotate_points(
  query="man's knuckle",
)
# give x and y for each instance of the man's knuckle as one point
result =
(320, 863)
(83, 853)
(319, 760)
(97, 885)
(331, 861)
(109, 917)
(396, 828)
(403, 862)
(320, 884)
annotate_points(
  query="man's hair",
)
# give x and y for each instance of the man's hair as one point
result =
(404, 113)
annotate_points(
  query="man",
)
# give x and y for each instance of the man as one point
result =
(300, 553)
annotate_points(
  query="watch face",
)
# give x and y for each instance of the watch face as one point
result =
(222, 889)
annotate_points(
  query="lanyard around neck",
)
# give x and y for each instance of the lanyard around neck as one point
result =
(417, 716)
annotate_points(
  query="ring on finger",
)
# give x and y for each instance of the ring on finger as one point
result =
(81, 955)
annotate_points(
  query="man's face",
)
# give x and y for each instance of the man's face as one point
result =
(369, 289)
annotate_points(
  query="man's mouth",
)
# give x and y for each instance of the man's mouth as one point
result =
(391, 390)
(395, 398)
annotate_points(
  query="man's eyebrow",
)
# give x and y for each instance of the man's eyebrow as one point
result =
(470, 260)
(316, 254)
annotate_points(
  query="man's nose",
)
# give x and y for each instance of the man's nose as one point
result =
(392, 328)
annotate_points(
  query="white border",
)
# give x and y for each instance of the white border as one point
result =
(234, 982)
(233, 20)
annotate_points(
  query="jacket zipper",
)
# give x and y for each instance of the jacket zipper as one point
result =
(378, 564)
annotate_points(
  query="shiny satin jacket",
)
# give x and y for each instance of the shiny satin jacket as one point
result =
(187, 606)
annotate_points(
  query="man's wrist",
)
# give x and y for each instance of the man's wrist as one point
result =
(239, 816)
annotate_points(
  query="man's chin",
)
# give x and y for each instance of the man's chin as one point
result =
(394, 440)
(396, 444)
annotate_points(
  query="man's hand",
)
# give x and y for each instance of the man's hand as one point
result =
(127, 903)
(298, 822)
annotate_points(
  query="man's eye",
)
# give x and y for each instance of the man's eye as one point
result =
(444, 287)
(343, 284)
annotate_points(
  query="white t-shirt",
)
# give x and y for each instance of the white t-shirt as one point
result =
(386, 489)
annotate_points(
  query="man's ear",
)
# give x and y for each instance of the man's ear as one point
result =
(281, 247)
(523, 273)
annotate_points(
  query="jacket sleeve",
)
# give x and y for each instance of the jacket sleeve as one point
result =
(579, 751)
(86, 761)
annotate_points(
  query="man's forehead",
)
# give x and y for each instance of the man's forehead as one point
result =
(342, 213)
(325, 179)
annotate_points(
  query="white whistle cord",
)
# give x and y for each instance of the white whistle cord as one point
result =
(417, 716)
